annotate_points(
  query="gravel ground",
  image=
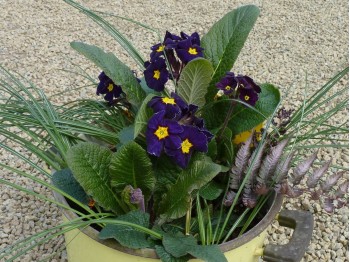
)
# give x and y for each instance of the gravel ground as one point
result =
(292, 38)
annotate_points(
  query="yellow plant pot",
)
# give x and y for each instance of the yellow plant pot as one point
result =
(83, 245)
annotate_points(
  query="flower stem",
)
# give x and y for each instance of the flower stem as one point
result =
(228, 117)
(188, 219)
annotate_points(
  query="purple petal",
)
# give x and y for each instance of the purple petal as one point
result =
(156, 120)
(174, 127)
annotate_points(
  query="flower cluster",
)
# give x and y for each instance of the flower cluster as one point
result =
(239, 86)
(186, 49)
(175, 129)
(108, 88)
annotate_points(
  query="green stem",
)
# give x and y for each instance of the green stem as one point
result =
(228, 117)
(235, 225)
(188, 219)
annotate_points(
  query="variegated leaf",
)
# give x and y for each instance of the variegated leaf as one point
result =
(301, 169)
(315, 177)
(270, 162)
(241, 162)
(331, 181)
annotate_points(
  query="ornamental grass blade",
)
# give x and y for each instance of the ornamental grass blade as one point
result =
(89, 164)
(112, 31)
(241, 163)
(317, 174)
(301, 169)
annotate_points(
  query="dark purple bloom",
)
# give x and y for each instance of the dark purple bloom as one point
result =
(248, 90)
(172, 106)
(247, 82)
(228, 83)
(195, 40)
(156, 74)
(157, 51)
(108, 88)
(162, 133)
(187, 51)
(191, 139)
(171, 40)
(188, 118)
(249, 96)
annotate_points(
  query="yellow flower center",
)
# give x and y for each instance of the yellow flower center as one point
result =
(186, 146)
(167, 100)
(162, 132)
(192, 51)
(160, 48)
(246, 98)
(110, 87)
(228, 88)
(156, 74)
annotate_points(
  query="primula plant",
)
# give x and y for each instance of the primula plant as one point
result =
(170, 155)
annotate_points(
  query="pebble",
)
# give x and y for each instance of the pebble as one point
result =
(290, 38)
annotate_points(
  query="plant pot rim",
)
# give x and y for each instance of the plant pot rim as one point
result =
(150, 253)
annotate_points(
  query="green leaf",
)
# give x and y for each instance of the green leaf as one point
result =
(128, 236)
(143, 115)
(212, 149)
(244, 118)
(112, 31)
(64, 180)
(89, 163)
(145, 87)
(211, 191)
(114, 69)
(178, 245)
(176, 201)
(132, 166)
(126, 134)
(194, 81)
(224, 41)
(210, 253)
(167, 257)
(225, 147)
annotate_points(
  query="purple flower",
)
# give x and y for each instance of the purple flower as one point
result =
(248, 95)
(136, 197)
(228, 83)
(191, 139)
(156, 74)
(171, 40)
(188, 51)
(162, 133)
(108, 88)
(195, 40)
(157, 51)
(248, 90)
(172, 106)
(188, 118)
